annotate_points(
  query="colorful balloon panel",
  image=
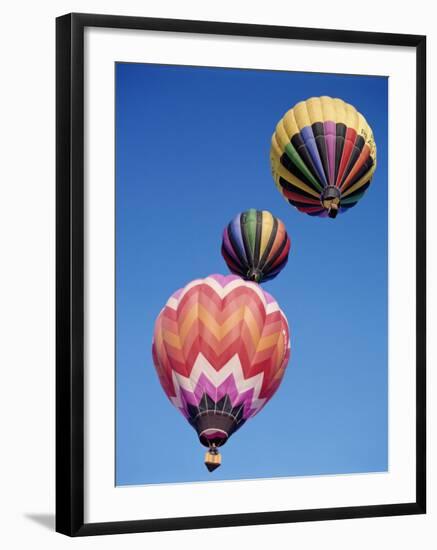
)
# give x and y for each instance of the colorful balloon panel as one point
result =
(220, 348)
(255, 245)
(323, 156)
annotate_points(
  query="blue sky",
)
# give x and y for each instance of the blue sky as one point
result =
(192, 150)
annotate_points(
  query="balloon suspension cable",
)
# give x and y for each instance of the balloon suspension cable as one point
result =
(330, 199)
(213, 458)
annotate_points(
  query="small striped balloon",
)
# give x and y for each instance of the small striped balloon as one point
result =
(255, 245)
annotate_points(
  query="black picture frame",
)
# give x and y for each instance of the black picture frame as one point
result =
(70, 273)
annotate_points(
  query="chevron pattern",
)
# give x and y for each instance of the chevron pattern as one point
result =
(221, 346)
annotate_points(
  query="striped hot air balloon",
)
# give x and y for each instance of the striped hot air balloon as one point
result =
(255, 245)
(323, 156)
(220, 348)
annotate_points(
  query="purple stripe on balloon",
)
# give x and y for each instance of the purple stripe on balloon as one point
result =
(228, 246)
(310, 143)
(330, 133)
(204, 385)
(228, 387)
(235, 228)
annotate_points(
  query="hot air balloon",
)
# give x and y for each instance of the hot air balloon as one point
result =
(255, 245)
(323, 156)
(220, 348)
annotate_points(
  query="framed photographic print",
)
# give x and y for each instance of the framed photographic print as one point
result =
(240, 274)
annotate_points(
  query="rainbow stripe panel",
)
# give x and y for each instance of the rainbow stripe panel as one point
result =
(255, 245)
(220, 348)
(322, 142)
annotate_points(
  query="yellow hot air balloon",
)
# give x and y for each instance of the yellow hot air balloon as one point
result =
(323, 156)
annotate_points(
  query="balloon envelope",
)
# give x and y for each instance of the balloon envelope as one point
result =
(255, 245)
(323, 156)
(220, 348)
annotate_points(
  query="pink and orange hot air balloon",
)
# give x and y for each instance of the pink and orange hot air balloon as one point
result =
(220, 348)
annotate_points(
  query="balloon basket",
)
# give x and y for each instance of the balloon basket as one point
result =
(333, 211)
(330, 199)
(213, 459)
(254, 275)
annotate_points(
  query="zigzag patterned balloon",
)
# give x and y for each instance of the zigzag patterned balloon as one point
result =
(220, 348)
